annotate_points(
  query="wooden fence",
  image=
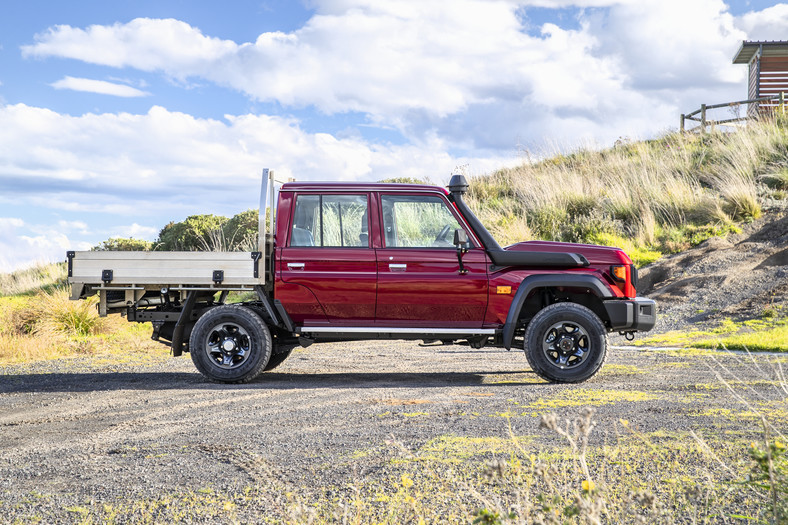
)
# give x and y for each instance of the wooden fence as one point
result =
(700, 115)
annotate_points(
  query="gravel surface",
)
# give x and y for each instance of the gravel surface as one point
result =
(82, 435)
(75, 435)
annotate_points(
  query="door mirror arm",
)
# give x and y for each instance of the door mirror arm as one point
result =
(461, 242)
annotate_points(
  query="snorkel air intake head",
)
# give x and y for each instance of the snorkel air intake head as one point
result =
(458, 185)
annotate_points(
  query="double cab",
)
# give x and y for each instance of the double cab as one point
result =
(356, 261)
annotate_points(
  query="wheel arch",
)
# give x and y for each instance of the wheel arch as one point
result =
(534, 283)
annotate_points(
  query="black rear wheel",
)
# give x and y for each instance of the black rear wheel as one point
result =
(230, 344)
(566, 343)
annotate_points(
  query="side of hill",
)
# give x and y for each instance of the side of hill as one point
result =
(650, 198)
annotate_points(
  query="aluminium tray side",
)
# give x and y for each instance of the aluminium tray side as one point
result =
(166, 268)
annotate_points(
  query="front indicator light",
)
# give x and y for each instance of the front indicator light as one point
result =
(619, 273)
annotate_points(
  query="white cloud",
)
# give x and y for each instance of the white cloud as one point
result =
(173, 163)
(769, 24)
(101, 87)
(20, 247)
(145, 44)
(137, 231)
(426, 69)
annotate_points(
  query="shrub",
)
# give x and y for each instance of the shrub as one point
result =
(55, 313)
(119, 244)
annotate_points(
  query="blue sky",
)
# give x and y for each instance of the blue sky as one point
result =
(118, 117)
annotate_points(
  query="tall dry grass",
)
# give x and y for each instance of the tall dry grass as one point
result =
(48, 325)
(30, 280)
(660, 195)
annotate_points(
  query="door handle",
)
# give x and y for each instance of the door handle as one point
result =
(295, 266)
(398, 267)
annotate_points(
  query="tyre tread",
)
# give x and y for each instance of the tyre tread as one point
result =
(231, 311)
(536, 321)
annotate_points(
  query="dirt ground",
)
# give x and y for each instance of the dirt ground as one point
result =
(736, 277)
(80, 435)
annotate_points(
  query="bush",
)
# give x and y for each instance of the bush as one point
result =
(55, 313)
(119, 244)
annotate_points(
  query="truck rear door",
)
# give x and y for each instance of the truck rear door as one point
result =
(327, 261)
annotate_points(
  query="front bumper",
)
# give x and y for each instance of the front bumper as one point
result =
(631, 315)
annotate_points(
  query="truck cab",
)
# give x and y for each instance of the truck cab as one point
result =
(348, 261)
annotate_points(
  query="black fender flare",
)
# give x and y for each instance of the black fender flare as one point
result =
(530, 283)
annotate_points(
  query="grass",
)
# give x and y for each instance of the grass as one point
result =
(649, 198)
(768, 334)
(48, 325)
(32, 280)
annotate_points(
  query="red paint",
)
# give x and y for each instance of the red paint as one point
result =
(364, 287)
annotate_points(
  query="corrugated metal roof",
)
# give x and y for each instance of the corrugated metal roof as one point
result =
(770, 48)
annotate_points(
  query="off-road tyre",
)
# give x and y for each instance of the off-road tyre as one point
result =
(277, 359)
(230, 344)
(566, 343)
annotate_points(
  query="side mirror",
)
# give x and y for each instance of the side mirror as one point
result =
(461, 239)
(461, 242)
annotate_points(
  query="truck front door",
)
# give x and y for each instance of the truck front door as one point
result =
(419, 279)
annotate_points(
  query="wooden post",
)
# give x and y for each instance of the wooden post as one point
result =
(782, 102)
(703, 118)
(681, 127)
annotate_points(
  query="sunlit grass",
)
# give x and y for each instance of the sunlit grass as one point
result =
(650, 198)
(50, 326)
(31, 280)
(769, 334)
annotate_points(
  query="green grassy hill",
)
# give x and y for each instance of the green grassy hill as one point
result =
(649, 198)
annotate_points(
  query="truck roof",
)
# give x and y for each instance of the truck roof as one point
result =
(359, 186)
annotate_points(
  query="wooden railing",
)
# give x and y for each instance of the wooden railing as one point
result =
(700, 115)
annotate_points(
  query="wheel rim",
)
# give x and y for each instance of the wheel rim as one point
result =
(566, 344)
(228, 345)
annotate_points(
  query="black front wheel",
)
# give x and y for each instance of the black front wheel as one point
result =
(566, 343)
(230, 344)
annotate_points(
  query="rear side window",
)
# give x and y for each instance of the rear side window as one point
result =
(417, 221)
(330, 221)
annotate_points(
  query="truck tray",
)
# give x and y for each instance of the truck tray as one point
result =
(172, 269)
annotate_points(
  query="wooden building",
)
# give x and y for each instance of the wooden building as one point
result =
(768, 72)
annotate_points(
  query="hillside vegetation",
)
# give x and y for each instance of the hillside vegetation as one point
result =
(649, 198)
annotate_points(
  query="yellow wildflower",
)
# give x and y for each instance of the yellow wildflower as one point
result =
(406, 481)
(588, 485)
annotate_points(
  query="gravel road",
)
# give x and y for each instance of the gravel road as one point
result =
(80, 433)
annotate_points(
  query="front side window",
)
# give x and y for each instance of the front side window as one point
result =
(417, 221)
(337, 221)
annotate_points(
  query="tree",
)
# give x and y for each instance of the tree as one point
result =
(196, 233)
(240, 232)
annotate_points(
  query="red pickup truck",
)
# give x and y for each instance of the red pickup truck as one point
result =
(354, 261)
